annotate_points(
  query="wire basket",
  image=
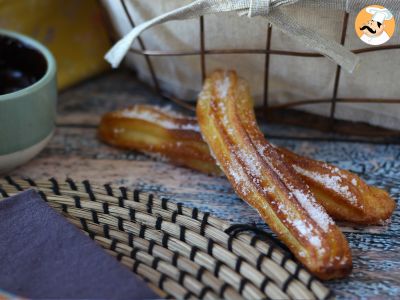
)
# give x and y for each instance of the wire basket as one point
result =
(274, 112)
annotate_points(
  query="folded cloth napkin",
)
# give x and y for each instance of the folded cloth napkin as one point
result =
(42, 255)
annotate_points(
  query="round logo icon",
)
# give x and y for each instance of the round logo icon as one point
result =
(375, 25)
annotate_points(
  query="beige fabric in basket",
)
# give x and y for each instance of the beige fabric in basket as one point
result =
(291, 78)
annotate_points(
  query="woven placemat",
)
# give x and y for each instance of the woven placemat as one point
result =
(181, 252)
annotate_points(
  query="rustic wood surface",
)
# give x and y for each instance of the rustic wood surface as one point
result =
(75, 152)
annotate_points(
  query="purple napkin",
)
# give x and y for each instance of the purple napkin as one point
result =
(42, 255)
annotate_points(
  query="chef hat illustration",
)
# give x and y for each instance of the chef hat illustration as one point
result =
(379, 14)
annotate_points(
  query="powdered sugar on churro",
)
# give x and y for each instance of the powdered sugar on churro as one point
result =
(223, 87)
(252, 165)
(307, 231)
(137, 113)
(308, 202)
(302, 226)
(305, 198)
(333, 182)
(235, 171)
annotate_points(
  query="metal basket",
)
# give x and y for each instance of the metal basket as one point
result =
(282, 112)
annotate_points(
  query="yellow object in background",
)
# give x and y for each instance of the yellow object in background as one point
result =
(73, 30)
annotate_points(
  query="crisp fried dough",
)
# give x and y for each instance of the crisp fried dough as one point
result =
(262, 178)
(344, 195)
(154, 131)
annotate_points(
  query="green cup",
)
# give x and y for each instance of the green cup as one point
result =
(28, 98)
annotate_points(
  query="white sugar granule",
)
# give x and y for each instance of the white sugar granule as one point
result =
(223, 87)
(150, 117)
(306, 231)
(269, 190)
(225, 121)
(251, 162)
(315, 211)
(237, 174)
(314, 240)
(302, 254)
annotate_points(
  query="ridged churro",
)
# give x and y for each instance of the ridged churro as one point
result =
(263, 179)
(344, 195)
(158, 132)
(150, 129)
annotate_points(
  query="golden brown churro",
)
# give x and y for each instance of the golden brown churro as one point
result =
(159, 132)
(345, 196)
(262, 178)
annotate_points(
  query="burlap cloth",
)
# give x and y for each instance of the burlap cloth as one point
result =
(375, 75)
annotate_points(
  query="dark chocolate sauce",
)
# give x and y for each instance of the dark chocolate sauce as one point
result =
(20, 65)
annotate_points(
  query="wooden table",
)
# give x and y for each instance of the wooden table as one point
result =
(75, 152)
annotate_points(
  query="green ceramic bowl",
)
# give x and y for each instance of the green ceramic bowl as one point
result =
(27, 115)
